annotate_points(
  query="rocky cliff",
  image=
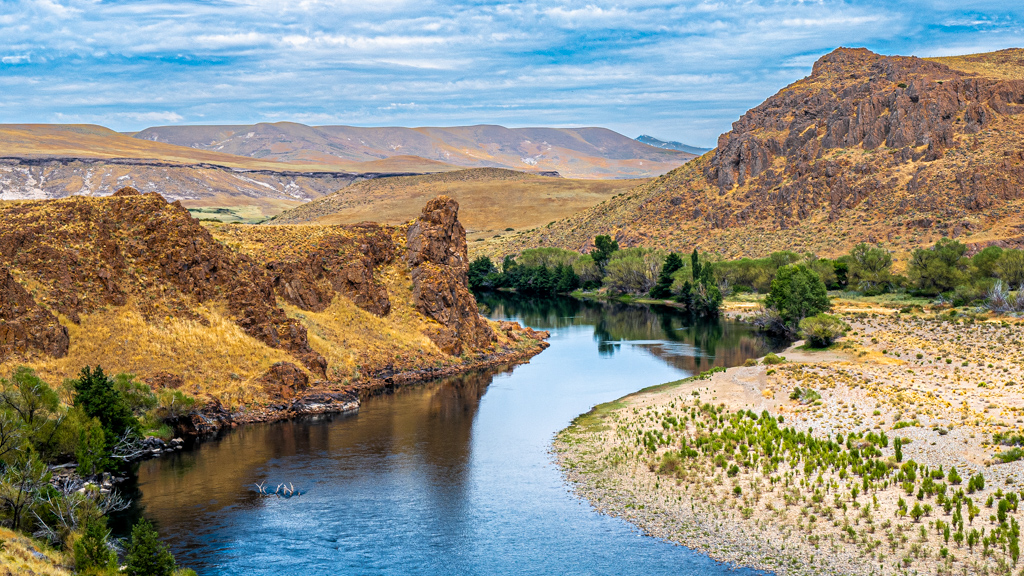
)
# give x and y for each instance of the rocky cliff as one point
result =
(136, 284)
(891, 149)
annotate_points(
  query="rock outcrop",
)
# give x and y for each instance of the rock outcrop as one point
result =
(437, 254)
(868, 144)
(284, 380)
(24, 325)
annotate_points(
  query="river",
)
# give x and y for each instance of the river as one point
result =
(451, 477)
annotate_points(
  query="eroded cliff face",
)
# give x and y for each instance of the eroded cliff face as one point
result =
(437, 254)
(25, 327)
(868, 148)
(132, 251)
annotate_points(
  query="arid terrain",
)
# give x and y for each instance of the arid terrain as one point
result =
(869, 148)
(945, 387)
(491, 200)
(240, 316)
(573, 152)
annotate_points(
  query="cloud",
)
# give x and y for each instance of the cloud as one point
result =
(682, 70)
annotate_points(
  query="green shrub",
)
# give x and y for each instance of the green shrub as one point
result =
(147, 555)
(773, 358)
(91, 552)
(750, 362)
(822, 330)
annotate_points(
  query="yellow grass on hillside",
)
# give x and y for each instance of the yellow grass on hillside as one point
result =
(20, 556)
(212, 354)
(490, 200)
(1005, 64)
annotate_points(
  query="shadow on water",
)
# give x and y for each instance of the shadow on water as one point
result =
(451, 477)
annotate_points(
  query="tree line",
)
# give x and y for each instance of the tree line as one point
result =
(633, 271)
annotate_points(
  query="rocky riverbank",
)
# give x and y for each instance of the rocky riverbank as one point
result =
(892, 453)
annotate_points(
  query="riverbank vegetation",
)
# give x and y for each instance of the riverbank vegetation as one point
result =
(897, 451)
(59, 448)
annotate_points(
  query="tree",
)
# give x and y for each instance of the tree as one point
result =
(797, 293)
(870, 269)
(96, 396)
(92, 554)
(566, 279)
(1011, 267)
(938, 269)
(147, 555)
(695, 265)
(481, 273)
(633, 271)
(663, 287)
(986, 262)
(19, 485)
(604, 246)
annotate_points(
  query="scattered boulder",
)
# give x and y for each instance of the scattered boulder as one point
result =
(284, 380)
(24, 325)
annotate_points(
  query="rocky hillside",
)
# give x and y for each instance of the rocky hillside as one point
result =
(238, 314)
(573, 152)
(889, 149)
(491, 199)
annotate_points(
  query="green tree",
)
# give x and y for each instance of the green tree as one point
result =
(91, 452)
(92, 554)
(147, 555)
(986, 262)
(566, 279)
(663, 287)
(481, 273)
(604, 247)
(694, 265)
(938, 269)
(1011, 267)
(797, 293)
(870, 269)
(96, 396)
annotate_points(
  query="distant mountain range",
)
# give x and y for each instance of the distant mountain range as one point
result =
(572, 152)
(256, 171)
(671, 145)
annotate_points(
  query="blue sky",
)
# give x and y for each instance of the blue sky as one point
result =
(681, 70)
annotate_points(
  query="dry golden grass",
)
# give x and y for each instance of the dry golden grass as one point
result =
(490, 200)
(213, 355)
(356, 342)
(1005, 64)
(17, 558)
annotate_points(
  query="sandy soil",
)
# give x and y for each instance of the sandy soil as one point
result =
(943, 386)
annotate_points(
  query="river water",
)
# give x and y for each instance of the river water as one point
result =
(451, 477)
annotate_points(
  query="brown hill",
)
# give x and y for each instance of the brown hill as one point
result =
(237, 314)
(491, 199)
(39, 161)
(573, 152)
(890, 149)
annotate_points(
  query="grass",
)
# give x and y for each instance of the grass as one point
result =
(491, 200)
(21, 555)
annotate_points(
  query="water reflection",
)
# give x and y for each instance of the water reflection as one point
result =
(674, 337)
(452, 477)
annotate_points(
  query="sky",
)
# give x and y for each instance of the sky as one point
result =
(678, 70)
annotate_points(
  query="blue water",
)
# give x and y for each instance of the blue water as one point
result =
(453, 477)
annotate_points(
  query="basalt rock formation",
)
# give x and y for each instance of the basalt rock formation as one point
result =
(24, 325)
(892, 149)
(201, 291)
(438, 257)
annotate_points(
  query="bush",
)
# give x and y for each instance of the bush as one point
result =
(663, 288)
(482, 274)
(147, 555)
(773, 358)
(822, 330)
(91, 552)
(797, 293)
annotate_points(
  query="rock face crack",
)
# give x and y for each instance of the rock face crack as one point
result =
(437, 254)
